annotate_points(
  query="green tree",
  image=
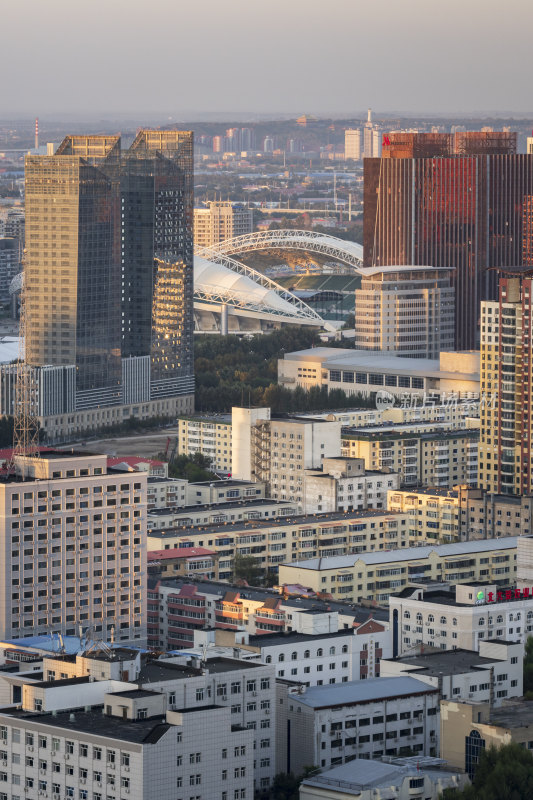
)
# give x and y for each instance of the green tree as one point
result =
(504, 773)
(193, 468)
(246, 568)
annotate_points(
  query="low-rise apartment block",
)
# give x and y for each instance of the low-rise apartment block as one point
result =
(442, 458)
(461, 617)
(377, 576)
(208, 434)
(455, 415)
(343, 484)
(225, 512)
(273, 541)
(329, 725)
(464, 513)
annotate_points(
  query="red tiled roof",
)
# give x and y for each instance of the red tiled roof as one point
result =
(179, 552)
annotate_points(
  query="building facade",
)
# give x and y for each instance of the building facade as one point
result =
(343, 484)
(507, 383)
(352, 145)
(109, 275)
(220, 220)
(378, 576)
(408, 312)
(74, 548)
(209, 435)
(453, 201)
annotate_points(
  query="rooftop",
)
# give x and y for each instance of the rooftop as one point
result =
(445, 662)
(408, 554)
(274, 639)
(409, 432)
(340, 694)
(360, 774)
(511, 714)
(186, 512)
(96, 723)
(248, 526)
(180, 552)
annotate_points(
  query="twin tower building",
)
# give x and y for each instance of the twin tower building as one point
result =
(109, 281)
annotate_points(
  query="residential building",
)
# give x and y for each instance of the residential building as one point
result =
(180, 611)
(469, 728)
(224, 491)
(74, 547)
(438, 457)
(153, 466)
(187, 562)
(279, 450)
(379, 576)
(208, 434)
(352, 144)
(506, 381)
(493, 674)
(343, 484)
(167, 493)
(329, 725)
(433, 513)
(439, 194)
(477, 610)
(367, 373)
(115, 324)
(464, 512)
(272, 542)
(219, 220)
(408, 312)
(396, 779)
(452, 415)
(227, 511)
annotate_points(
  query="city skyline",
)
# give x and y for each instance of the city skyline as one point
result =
(300, 64)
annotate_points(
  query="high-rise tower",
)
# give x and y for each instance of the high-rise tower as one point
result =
(106, 230)
(505, 444)
(454, 201)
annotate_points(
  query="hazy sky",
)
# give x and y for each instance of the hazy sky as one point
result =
(177, 57)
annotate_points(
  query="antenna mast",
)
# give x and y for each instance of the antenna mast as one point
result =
(26, 425)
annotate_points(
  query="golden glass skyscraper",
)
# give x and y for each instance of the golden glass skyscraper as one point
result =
(106, 230)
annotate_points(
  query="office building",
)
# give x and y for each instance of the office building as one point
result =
(396, 779)
(505, 457)
(371, 138)
(109, 278)
(405, 312)
(367, 373)
(220, 220)
(494, 673)
(469, 728)
(454, 201)
(462, 617)
(352, 145)
(74, 548)
(115, 716)
(381, 575)
(330, 725)
(436, 457)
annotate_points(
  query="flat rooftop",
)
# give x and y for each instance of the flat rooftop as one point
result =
(274, 639)
(513, 714)
(408, 554)
(410, 432)
(444, 598)
(248, 526)
(188, 511)
(96, 723)
(445, 662)
(339, 694)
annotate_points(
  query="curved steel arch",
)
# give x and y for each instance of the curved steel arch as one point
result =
(301, 310)
(349, 253)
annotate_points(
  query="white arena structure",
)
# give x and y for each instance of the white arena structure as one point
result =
(230, 297)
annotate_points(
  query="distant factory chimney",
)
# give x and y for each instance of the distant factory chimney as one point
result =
(36, 133)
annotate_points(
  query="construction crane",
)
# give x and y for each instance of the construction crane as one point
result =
(26, 425)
